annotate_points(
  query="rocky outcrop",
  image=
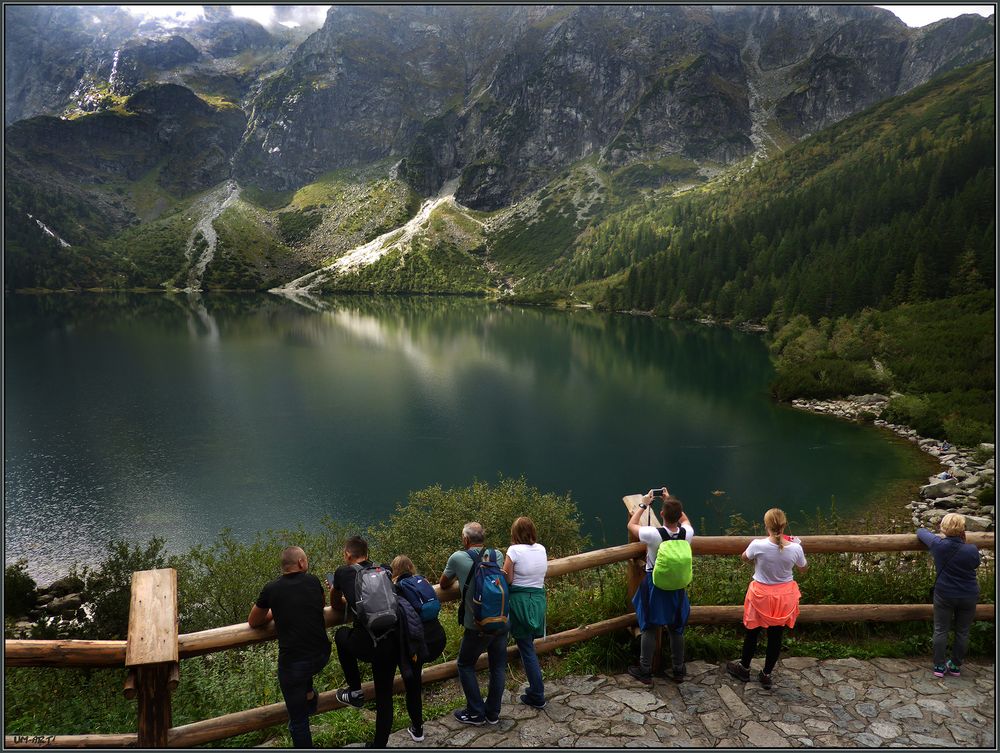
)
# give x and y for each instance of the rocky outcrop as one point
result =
(965, 476)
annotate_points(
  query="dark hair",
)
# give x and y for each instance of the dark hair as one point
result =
(671, 510)
(523, 531)
(356, 547)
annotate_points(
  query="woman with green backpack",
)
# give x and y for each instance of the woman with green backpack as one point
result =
(665, 604)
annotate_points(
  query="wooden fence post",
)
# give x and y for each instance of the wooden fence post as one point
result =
(151, 652)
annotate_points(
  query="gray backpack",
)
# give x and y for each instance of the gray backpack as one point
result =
(375, 610)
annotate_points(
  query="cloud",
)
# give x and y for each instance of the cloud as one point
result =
(921, 15)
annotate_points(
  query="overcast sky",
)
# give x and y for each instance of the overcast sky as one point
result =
(921, 15)
(912, 15)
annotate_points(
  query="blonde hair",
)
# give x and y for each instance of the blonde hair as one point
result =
(775, 522)
(953, 524)
(523, 531)
(402, 565)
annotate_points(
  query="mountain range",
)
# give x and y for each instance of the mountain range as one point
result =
(431, 149)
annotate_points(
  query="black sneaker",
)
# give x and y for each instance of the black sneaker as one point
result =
(528, 702)
(494, 721)
(416, 733)
(680, 674)
(354, 698)
(465, 717)
(737, 670)
(646, 678)
(765, 680)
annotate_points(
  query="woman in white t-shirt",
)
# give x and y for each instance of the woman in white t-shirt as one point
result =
(525, 568)
(772, 600)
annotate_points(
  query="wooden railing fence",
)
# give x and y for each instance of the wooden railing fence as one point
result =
(153, 647)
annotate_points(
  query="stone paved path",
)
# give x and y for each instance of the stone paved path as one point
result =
(813, 703)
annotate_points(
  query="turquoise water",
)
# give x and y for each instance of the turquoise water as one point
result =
(142, 415)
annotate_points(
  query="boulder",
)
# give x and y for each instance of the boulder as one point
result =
(939, 488)
(987, 447)
(976, 523)
(68, 603)
(68, 585)
(969, 482)
(945, 503)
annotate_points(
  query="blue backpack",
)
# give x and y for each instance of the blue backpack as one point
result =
(421, 596)
(491, 594)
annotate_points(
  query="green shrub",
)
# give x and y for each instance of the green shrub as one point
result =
(20, 592)
(429, 527)
(109, 588)
(987, 495)
(824, 378)
(916, 413)
(296, 226)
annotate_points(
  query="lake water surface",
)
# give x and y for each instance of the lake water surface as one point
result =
(133, 416)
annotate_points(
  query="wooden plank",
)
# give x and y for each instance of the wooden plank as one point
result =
(70, 741)
(63, 653)
(152, 619)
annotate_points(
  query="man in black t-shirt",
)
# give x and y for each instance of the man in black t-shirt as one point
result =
(354, 643)
(295, 602)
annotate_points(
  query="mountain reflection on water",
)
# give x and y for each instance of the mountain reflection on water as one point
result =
(130, 416)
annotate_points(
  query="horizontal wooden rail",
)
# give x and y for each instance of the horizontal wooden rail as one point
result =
(76, 653)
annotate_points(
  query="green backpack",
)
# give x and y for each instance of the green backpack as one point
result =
(672, 569)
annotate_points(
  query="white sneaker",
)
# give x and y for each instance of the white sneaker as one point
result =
(416, 735)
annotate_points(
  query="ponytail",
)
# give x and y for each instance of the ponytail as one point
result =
(775, 522)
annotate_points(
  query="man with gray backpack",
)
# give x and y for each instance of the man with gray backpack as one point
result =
(367, 592)
(484, 612)
(661, 599)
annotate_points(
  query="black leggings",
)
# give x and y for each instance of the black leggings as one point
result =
(773, 647)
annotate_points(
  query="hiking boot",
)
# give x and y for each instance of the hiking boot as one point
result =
(940, 670)
(465, 717)
(416, 733)
(953, 669)
(765, 680)
(354, 698)
(646, 678)
(737, 670)
(528, 702)
(679, 674)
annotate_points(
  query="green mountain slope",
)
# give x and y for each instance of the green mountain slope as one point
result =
(893, 205)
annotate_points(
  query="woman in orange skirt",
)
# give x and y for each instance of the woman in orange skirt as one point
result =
(772, 600)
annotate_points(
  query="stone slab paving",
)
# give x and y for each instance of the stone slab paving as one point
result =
(837, 703)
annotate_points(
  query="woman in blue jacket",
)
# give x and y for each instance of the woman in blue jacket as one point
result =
(956, 591)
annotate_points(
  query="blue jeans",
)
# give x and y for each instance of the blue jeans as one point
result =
(295, 678)
(473, 644)
(946, 610)
(529, 659)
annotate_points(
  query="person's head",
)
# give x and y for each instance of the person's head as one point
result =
(293, 560)
(355, 549)
(473, 534)
(953, 524)
(775, 521)
(402, 565)
(671, 511)
(523, 531)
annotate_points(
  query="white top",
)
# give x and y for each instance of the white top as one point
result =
(650, 536)
(530, 564)
(773, 565)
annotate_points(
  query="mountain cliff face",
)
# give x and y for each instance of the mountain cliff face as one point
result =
(542, 116)
(559, 84)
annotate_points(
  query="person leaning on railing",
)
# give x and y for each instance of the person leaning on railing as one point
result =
(956, 590)
(772, 599)
(295, 601)
(525, 567)
(434, 639)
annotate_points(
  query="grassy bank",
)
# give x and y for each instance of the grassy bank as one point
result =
(217, 584)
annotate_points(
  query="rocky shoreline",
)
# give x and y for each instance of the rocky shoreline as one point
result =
(969, 473)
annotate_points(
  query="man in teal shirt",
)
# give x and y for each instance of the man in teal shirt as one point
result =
(475, 642)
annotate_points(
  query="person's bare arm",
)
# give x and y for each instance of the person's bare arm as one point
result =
(446, 581)
(259, 617)
(634, 521)
(508, 569)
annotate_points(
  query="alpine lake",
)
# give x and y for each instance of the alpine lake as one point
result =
(129, 416)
